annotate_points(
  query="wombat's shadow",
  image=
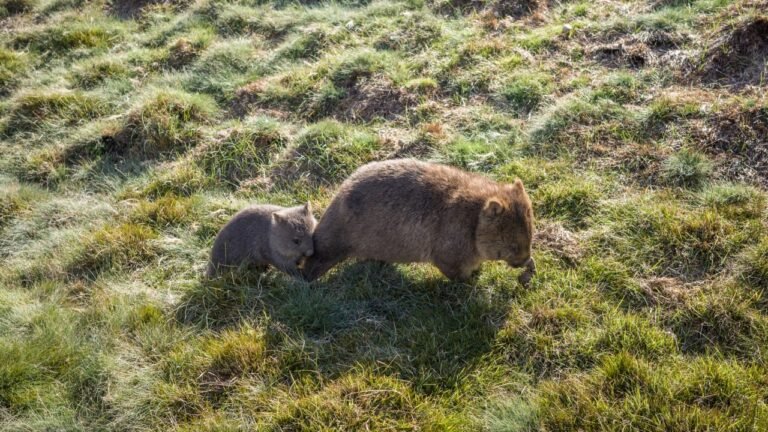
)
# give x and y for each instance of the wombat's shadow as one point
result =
(413, 320)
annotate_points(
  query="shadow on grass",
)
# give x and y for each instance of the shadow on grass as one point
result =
(407, 320)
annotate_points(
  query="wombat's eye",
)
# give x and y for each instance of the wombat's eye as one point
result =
(296, 241)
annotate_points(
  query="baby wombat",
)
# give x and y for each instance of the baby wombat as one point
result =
(262, 235)
(410, 211)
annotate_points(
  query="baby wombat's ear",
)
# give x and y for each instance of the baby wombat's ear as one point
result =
(308, 208)
(493, 207)
(279, 218)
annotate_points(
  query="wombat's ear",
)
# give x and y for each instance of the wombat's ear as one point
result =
(277, 217)
(308, 208)
(516, 186)
(493, 207)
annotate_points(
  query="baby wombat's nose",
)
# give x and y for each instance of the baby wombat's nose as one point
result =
(309, 253)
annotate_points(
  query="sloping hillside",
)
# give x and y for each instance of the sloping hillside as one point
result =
(131, 130)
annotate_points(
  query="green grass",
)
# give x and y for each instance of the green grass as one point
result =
(129, 136)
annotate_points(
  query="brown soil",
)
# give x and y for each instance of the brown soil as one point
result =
(667, 291)
(739, 57)
(182, 53)
(558, 240)
(246, 98)
(371, 98)
(515, 9)
(127, 9)
(637, 51)
(738, 138)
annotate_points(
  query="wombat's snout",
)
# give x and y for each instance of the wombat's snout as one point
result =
(309, 253)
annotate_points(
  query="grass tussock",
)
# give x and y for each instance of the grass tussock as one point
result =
(122, 246)
(242, 151)
(12, 65)
(36, 110)
(329, 151)
(165, 123)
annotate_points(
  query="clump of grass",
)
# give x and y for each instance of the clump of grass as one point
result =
(626, 392)
(33, 110)
(415, 33)
(572, 202)
(575, 124)
(244, 152)
(720, 322)
(92, 73)
(754, 267)
(686, 168)
(15, 7)
(62, 39)
(381, 402)
(623, 374)
(223, 68)
(476, 154)
(635, 335)
(118, 247)
(666, 239)
(54, 360)
(734, 201)
(44, 166)
(237, 352)
(422, 86)
(186, 49)
(165, 123)
(12, 66)
(524, 92)
(621, 88)
(183, 179)
(165, 211)
(16, 199)
(310, 43)
(358, 64)
(330, 151)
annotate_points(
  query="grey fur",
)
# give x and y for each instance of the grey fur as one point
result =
(262, 235)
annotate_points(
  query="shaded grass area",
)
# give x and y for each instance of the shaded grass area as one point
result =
(131, 131)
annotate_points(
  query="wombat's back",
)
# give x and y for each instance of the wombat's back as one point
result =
(401, 210)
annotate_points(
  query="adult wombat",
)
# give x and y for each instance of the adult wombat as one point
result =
(262, 235)
(405, 210)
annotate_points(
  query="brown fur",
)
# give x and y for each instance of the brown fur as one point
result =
(263, 235)
(405, 210)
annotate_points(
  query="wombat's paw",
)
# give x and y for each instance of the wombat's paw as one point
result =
(525, 278)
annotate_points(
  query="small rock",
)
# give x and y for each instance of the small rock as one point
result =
(350, 25)
(567, 29)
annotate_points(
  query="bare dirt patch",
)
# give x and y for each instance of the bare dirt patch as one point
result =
(648, 48)
(127, 9)
(247, 98)
(667, 291)
(553, 237)
(738, 138)
(374, 97)
(515, 9)
(739, 57)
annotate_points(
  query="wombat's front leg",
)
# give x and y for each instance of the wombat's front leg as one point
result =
(530, 270)
(288, 266)
(457, 272)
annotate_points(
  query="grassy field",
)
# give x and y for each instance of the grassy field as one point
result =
(130, 131)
